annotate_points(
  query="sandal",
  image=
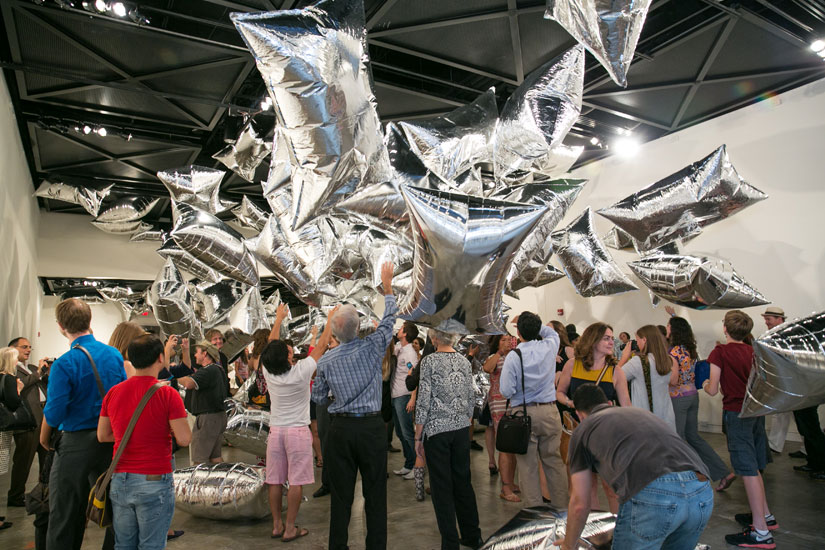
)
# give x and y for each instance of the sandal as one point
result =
(725, 482)
(512, 497)
(299, 532)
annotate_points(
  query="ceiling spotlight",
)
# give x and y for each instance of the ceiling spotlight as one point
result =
(594, 141)
(821, 54)
(101, 131)
(119, 9)
(138, 17)
(818, 45)
(87, 129)
(101, 6)
(626, 147)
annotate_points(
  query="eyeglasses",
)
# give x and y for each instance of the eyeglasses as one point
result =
(24, 347)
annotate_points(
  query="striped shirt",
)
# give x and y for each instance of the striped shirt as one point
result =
(352, 371)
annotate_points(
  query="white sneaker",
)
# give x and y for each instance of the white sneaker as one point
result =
(409, 475)
(402, 472)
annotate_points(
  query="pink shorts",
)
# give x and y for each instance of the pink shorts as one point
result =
(289, 456)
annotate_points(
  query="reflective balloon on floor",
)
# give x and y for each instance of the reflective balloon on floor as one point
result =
(248, 430)
(225, 491)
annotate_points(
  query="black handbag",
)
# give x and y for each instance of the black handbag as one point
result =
(513, 434)
(20, 419)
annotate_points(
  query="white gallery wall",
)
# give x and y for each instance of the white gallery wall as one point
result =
(20, 291)
(777, 245)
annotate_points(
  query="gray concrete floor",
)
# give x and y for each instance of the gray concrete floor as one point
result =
(796, 500)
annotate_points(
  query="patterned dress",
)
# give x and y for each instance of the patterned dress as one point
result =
(445, 393)
(496, 401)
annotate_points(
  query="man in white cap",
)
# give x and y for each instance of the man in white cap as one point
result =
(775, 316)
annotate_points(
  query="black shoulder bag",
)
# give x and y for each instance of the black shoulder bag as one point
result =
(513, 434)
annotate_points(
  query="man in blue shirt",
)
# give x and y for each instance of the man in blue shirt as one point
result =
(357, 439)
(75, 397)
(539, 347)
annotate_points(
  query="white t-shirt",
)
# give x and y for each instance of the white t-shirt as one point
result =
(289, 393)
(662, 407)
(406, 354)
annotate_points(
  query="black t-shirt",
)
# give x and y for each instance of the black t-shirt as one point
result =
(629, 448)
(212, 390)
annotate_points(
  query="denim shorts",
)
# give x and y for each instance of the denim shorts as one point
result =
(143, 508)
(747, 443)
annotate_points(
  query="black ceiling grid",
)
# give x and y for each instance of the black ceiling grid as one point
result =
(169, 92)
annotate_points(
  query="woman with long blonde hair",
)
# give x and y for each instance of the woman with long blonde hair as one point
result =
(650, 372)
(11, 387)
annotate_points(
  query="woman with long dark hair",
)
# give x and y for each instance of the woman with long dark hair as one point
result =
(685, 400)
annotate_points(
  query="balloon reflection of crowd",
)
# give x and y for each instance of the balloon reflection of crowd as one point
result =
(620, 415)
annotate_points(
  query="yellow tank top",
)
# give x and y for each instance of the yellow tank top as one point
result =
(591, 375)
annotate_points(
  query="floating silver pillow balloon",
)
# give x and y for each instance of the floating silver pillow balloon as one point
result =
(127, 209)
(586, 261)
(272, 249)
(244, 156)
(197, 186)
(538, 115)
(377, 248)
(557, 196)
(250, 215)
(245, 317)
(681, 204)
(172, 303)
(380, 204)
(216, 300)
(248, 430)
(537, 273)
(618, 239)
(150, 235)
(481, 386)
(464, 247)
(187, 262)
(314, 62)
(696, 282)
(451, 144)
(214, 243)
(90, 199)
(229, 490)
(126, 298)
(280, 164)
(122, 228)
(789, 368)
(609, 29)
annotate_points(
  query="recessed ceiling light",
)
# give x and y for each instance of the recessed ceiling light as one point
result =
(818, 45)
(119, 9)
(594, 141)
(101, 131)
(626, 147)
(101, 5)
(87, 129)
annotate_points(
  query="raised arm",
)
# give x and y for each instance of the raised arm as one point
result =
(323, 342)
(280, 314)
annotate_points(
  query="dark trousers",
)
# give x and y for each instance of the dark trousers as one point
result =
(41, 531)
(322, 420)
(807, 424)
(357, 445)
(79, 461)
(27, 444)
(448, 461)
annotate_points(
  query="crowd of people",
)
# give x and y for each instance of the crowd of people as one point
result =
(617, 414)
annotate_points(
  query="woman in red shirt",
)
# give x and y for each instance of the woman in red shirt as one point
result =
(142, 493)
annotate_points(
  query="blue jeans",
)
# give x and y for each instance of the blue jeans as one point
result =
(142, 510)
(404, 428)
(669, 513)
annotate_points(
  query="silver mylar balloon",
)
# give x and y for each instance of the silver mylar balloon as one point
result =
(229, 490)
(244, 156)
(481, 385)
(127, 209)
(248, 430)
(789, 368)
(557, 196)
(248, 214)
(380, 204)
(618, 239)
(214, 243)
(197, 186)
(377, 248)
(150, 235)
(172, 303)
(241, 397)
(535, 274)
(358, 292)
(245, 317)
(314, 63)
(124, 297)
(586, 261)
(464, 248)
(90, 199)
(538, 115)
(451, 144)
(271, 307)
(122, 228)
(187, 262)
(541, 526)
(280, 164)
(681, 204)
(217, 300)
(697, 282)
(609, 29)
(272, 249)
